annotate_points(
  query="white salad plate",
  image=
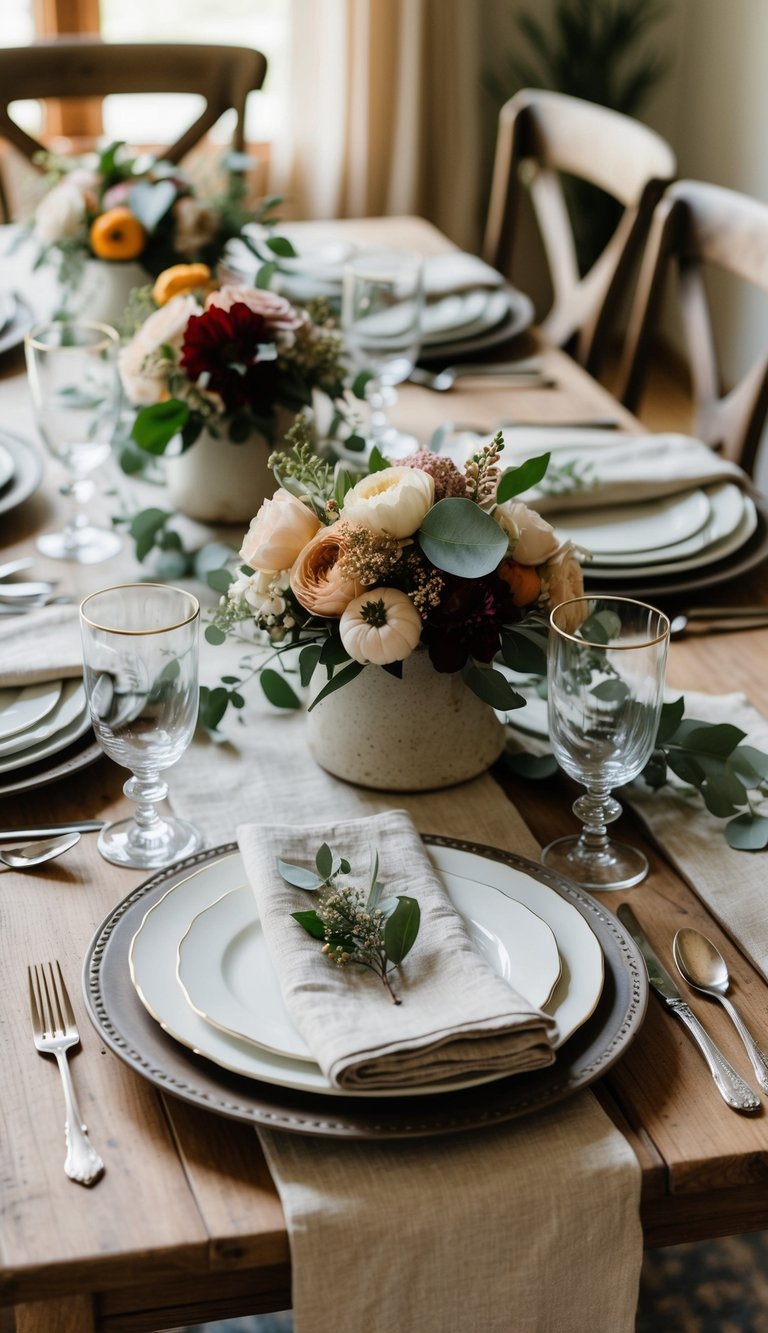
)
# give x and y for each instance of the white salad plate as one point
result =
(631, 528)
(154, 948)
(224, 968)
(9, 763)
(463, 314)
(25, 707)
(7, 466)
(718, 550)
(70, 706)
(727, 503)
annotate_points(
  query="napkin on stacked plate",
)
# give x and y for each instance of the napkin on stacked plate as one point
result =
(42, 645)
(457, 1019)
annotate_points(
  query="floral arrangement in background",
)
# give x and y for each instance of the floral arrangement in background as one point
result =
(115, 205)
(225, 358)
(422, 556)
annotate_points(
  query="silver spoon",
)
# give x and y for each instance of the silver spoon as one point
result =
(704, 968)
(23, 858)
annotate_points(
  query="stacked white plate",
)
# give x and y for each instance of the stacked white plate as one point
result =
(200, 964)
(666, 536)
(39, 721)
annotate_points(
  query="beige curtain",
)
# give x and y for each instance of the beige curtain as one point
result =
(383, 114)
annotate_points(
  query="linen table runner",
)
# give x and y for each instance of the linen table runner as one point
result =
(532, 1226)
(456, 1018)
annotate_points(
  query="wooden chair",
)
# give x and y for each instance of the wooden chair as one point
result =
(542, 134)
(695, 225)
(86, 67)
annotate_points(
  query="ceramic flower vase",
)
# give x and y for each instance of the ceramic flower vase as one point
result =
(420, 733)
(217, 481)
(106, 289)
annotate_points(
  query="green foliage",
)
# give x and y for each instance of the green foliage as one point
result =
(518, 479)
(457, 536)
(492, 687)
(356, 926)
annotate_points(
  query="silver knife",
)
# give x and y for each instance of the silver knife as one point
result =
(50, 830)
(730, 1085)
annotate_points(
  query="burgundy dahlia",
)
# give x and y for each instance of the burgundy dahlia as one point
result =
(223, 346)
(467, 622)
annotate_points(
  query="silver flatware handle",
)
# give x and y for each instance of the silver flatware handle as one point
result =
(51, 830)
(82, 1163)
(729, 1084)
(757, 1056)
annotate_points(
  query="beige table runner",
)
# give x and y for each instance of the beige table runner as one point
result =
(533, 1226)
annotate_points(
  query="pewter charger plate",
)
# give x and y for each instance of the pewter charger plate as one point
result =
(126, 1027)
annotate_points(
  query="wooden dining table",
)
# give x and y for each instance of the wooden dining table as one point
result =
(186, 1224)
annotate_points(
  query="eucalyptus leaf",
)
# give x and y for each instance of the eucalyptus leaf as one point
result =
(361, 382)
(310, 922)
(214, 635)
(459, 538)
(492, 687)
(611, 691)
(518, 479)
(277, 689)
(220, 580)
(524, 651)
(298, 876)
(669, 720)
(720, 738)
(155, 426)
(749, 764)
(324, 861)
(308, 660)
(265, 275)
(686, 768)
(337, 682)
(355, 444)
(401, 929)
(600, 627)
(213, 706)
(747, 833)
(655, 771)
(280, 245)
(717, 802)
(377, 462)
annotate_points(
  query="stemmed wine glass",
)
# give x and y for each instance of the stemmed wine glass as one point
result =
(382, 302)
(140, 652)
(605, 670)
(75, 388)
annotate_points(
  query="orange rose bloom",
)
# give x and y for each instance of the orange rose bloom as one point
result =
(315, 578)
(117, 234)
(522, 580)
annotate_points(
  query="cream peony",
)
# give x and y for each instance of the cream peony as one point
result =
(316, 580)
(142, 370)
(279, 532)
(60, 216)
(562, 580)
(395, 501)
(532, 540)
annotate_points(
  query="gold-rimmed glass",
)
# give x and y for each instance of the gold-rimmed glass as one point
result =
(606, 661)
(75, 389)
(140, 656)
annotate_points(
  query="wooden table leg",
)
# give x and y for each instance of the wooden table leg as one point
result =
(68, 1314)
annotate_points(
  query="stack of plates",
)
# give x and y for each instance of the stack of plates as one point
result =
(42, 730)
(672, 544)
(204, 986)
(16, 319)
(21, 471)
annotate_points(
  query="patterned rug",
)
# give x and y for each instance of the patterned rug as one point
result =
(714, 1287)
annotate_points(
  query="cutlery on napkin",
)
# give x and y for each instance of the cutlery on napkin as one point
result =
(457, 1017)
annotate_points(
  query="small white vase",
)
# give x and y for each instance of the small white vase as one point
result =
(420, 733)
(106, 288)
(217, 481)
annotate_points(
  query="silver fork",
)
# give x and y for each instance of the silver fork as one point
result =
(55, 1031)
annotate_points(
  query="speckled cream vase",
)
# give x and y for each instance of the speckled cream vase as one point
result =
(217, 481)
(420, 733)
(106, 288)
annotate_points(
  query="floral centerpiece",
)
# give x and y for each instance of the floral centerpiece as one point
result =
(228, 363)
(421, 560)
(117, 206)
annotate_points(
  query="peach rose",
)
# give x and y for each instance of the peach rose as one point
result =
(395, 501)
(532, 539)
(279, 314)
(143, 375)
(315, 578)
(279, 532)
(562, 580)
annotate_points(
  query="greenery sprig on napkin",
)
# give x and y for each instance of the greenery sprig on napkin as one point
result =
(356, 927)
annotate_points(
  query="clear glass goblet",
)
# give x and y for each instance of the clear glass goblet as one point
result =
(382, 303)
(75, 388)
(140, 653)
(605, 669)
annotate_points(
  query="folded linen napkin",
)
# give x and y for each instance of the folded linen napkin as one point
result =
(42, 645)
(456, 1019)
(594, 468)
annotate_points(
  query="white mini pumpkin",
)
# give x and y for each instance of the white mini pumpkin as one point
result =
(380, 626)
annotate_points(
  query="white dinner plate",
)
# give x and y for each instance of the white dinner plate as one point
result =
(25, 707)
(7, 309)
(70, 706)
(717, 551)
(154, 949)
(617, 529)
(463, 315)
(727, 510)
(224, 968)
(10, 763)
(7, 466)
